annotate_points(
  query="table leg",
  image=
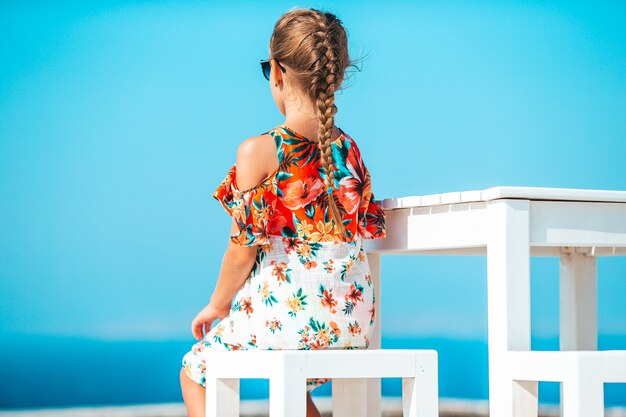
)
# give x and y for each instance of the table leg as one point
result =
(578, 304)
(508, 303)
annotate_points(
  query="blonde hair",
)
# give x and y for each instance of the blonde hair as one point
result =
(314, 44)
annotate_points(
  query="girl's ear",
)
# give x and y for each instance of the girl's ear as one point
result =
(276, 74)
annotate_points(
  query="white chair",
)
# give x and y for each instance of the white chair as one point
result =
(583, 374)
(287, 371)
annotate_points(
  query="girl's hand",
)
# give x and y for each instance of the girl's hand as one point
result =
(205, 317)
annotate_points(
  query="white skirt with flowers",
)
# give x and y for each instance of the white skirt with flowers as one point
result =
(299, 295)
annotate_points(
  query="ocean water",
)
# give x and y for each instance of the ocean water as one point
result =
(44, 371)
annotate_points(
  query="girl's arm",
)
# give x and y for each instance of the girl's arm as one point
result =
(237, 263)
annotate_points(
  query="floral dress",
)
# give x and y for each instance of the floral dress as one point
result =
(309, 288)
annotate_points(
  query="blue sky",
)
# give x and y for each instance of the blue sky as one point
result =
(119, 119)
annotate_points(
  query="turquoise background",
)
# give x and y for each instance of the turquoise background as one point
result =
(119, 119)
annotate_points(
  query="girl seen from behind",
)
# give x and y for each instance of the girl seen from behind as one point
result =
(295, 273)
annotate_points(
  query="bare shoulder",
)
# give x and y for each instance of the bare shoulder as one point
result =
(257, 145)
(256, 159)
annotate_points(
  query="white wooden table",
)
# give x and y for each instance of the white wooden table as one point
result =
(509, 225)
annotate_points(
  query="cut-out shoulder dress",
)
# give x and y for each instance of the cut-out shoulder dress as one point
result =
(309, 288)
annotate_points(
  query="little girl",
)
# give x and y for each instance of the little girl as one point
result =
(295, 274)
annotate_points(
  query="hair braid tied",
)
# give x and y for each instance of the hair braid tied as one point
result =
(314, 45)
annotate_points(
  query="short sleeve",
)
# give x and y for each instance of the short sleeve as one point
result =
(371, 217)
(251, 209)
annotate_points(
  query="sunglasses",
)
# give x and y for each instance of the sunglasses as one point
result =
(265, 67)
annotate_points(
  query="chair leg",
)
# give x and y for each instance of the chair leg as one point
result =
(222, 397)
(287, 397)
(583, 398)
(349, 397)
(288, 387)
(525, 398)
(420, 394)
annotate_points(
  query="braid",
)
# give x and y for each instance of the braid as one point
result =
(314, 45)
(325, 80)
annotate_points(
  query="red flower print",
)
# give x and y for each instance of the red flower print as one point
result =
(329, 301)
(318, 344)
(349, 193)
(246, 306)
(354, 295)
(280, 271)
(276, 223)
(354, 328)
(291, 243)
(304, 333)
(273, 325)
(352, 187)
(299, 193)
(328, 266)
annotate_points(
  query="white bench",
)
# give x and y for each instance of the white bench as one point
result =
(583, 374)
(287, 371)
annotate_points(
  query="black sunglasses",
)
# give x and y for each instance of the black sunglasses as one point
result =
(265, 67)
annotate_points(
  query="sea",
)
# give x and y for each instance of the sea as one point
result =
(55, 371)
